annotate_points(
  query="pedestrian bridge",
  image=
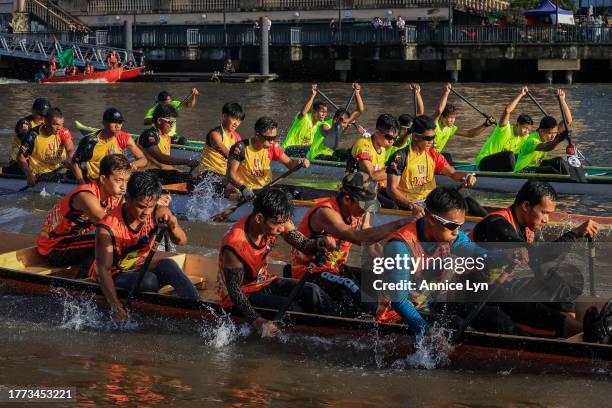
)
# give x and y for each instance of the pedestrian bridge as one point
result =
(43, 47)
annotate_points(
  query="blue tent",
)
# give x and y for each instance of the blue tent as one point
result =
(548, 8)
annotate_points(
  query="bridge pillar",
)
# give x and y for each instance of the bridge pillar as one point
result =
(569, 77)
(264, 52)
(128, 29)
(557, 64)
(343, 66)
(453, 66)
(19, 6)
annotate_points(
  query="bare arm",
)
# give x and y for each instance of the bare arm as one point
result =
(548, 146)
(140, 159)
(232, 169)
(233, 270)
(366, 167)
(103, 267)
(292, 163)
(69, 146)
(505, 117)
(216, 140)
(192, 98)
(420, 110)
(460, 176)
(76, 170)
(329, 222)
(443, 102)
(310, 101)
(168, 160)
(358, 102)
(474, 132)
(394, 192)
(566, 111)
(90, 205)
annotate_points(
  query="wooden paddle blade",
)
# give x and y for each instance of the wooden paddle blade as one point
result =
(222, 216)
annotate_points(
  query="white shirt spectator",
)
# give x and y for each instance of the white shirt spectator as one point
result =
(400, 23)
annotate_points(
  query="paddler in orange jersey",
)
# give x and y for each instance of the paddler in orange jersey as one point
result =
(156, 142)
(213, 163)
(345, 220)
(85, 163)
(249, 166)
(368, 154)
(125, 237)
(411, 171)
(67, 236)
(243, 281)
(46, 149)
(40, 107)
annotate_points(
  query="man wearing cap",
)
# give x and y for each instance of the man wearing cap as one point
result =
(411, 172)
(109, 140)
(165, 97)
(501, 148)
(345, 220)
(39, 109)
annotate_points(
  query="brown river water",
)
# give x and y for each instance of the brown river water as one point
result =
(160, 361)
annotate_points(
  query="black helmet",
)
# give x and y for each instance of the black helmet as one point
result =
(112, 115)
(41, 106)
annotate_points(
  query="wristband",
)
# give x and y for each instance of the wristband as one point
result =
(241, 188)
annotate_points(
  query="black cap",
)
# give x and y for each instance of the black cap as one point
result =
(112, 115)
(363, 189)
(524, 119)
(548, 122)
(41, 106)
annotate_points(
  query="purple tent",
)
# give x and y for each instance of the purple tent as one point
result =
(548, 8)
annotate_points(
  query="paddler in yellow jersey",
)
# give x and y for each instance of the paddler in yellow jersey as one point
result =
(501, 148)
(165, 97)
(36, 118)
(304, 125)
(47, 149)
(534, 151)
(85, 163)
(405, 122)
(411, 172)
(326, 136)
(368, 154)
(445, 117)
(213, 163)
(249, 165)
(156, 142)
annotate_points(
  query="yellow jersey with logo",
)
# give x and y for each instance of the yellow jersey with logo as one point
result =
(45, 152)
(255, 169)
(443, 134)
(92, 149)
(150, 138)
(364, 149)
(417, 171)
(212, 159)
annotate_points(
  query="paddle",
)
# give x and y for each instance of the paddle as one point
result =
(294, 294)
(143, 269)
(362, 131)
(576, 171)
(464, 99)
(414, 102)
(537, 103)
(592, 255)
(222, 216)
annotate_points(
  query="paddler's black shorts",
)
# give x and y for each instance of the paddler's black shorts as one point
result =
(536, 318)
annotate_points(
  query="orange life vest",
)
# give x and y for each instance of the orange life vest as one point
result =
(64, 221)
(254, 260)
(507, 215)
(300, 262)
(131, 247)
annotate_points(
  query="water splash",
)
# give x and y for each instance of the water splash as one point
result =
(223, 332)
(432, 350)
(44, 193)
(204, 202)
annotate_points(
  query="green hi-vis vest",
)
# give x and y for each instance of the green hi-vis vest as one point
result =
(502, 139)
(318, 146)
(529, 156)
(301, 131)
(443, 135)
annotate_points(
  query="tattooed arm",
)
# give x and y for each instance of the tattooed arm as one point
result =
(234, 276)
(312, 246)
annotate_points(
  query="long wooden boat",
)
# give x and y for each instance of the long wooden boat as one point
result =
(131, 73)
(183, 204)
(24, 271)
(111, 75)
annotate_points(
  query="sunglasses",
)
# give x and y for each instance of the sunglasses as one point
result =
(425, 138)
(449, 225)
(390, 137)
(269, 138)
(168, 121)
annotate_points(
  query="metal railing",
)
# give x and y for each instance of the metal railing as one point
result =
(41, 47)
(97, 7)
(54, 16)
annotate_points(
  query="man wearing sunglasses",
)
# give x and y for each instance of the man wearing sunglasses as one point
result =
(411, 172)
(249, 164)
(156, 145)
(85, 164)
(519, 223)
(445, 117)
(437, 235)
(345, 220)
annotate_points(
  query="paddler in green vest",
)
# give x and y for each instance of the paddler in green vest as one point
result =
(534, 151)
(405, 122)
(445, 116)
(501, 148)
(327, 136)
(306, 122)
(165, 97)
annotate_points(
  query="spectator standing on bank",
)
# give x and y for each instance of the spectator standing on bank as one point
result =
(333, 29)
